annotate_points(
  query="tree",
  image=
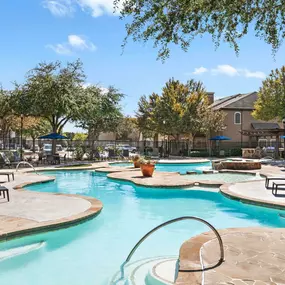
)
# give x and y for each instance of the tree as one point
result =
(127, 128)
(80, 137)
(180, 21)
(35, 127)
(6, 115)
(177, 111)
(101, 111)
(144, 115)
(53, 92)
(271, 97)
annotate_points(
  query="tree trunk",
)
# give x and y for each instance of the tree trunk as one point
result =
(54, 129)
(34, 144)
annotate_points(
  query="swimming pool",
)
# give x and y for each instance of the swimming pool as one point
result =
(173, 167)
(92, 252)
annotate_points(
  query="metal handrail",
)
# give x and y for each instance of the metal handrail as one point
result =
(222, 255)
(25, 162)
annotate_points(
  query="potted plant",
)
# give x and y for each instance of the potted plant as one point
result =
(136, 161)
(147, 167)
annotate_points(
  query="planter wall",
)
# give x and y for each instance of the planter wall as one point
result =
(241, 165)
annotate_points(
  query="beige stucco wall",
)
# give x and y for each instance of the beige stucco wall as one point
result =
(232, 129)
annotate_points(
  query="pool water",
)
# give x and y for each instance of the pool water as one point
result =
(91, 253)
(174, 167)
(224, 177)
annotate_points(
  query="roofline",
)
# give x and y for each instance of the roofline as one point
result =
(231, 97)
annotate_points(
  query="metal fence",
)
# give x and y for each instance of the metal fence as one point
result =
(162, 148)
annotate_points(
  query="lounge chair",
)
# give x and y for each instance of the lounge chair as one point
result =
(5, 161)
(268, 179)
(8, 175)
(5, 192)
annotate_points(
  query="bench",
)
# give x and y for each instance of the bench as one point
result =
(275, 186)
(8, 175)
(5, 192)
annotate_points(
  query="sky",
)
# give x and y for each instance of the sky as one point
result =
(34, 31)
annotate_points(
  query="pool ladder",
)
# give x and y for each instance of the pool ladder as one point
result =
(222, 253)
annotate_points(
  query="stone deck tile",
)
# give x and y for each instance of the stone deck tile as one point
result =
(255, 192)
(252, 256)
(29, 211)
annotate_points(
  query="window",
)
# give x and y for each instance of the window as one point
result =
(237, 118)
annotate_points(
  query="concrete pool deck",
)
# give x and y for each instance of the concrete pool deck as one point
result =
(29, 211)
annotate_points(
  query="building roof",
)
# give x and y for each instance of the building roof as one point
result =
(265, 126)
(237, 101)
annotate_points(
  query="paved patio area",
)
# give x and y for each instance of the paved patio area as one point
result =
(28, 211)
(253, 256)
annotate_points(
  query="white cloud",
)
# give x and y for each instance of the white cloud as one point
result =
(73, 44)
(225, 69)
(66, 7)
(79, 42)
(200, 70)
(59, 8)
(97, 7)
(228, 70)
(103, 89)
(255, 74)
(60, 49)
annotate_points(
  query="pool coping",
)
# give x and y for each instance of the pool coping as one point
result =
(117, 173)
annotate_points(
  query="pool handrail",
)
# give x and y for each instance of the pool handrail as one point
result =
(222, 253)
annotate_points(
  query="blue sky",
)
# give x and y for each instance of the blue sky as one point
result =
(33, 31)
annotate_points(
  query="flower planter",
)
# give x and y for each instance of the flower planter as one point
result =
(137, 164)
(147, 169)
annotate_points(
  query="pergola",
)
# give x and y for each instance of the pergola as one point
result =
(265, 133)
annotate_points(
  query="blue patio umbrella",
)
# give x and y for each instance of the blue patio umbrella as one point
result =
(220, 138)
(282, 137)
(54, 136)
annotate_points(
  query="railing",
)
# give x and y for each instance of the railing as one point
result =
(25, 162)
(222, 254)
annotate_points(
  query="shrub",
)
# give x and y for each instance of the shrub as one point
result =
(79, 152)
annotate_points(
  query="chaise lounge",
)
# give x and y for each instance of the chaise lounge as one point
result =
(5, 192)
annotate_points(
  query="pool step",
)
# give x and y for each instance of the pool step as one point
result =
(150, 271)
(16, 251)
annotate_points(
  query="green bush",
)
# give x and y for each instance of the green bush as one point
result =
(235, 152)
(79, 152)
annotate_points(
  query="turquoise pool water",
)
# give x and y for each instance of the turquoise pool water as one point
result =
(90, 253)
(174, 167)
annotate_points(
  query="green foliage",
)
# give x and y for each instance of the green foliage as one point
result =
(79, 152)
(36, 127)
(144, 115)
(179, 22)
(101, 111)
(51, 91)
(127, 127)
(6, 112)
(271, 97)
(80, 137)
(181, 110)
